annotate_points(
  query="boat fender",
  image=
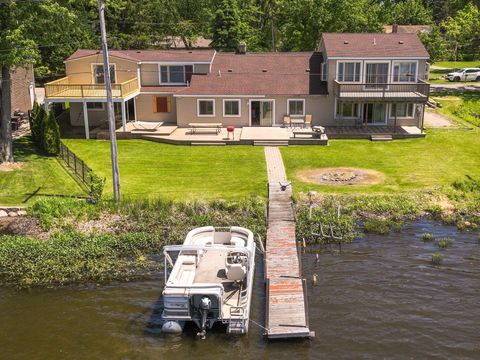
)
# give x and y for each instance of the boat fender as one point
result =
(171, 327)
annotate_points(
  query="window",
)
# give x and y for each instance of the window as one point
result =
(403, 110)
(349, 71)
(95, 106)
(206, 107)
(324, 72)
(99, 76)
(347, 110)
(404, 71)
(173, 74)
(161, 104)
(296, 107)
(231, 107)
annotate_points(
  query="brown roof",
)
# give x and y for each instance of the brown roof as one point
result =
(408, 29)
(152, 55)
(293, 73)
(371, 45)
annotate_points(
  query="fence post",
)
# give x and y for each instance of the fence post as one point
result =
(75, 162)
(83, 171)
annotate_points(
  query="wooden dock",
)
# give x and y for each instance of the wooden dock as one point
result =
(287, 310)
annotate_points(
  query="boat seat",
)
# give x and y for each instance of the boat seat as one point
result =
(236, 272)
(237, 242)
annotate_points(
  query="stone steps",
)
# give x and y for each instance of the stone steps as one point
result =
(381, 137)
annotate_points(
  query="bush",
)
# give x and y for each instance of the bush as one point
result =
(437, 258)
(33, 122)
(51, 135)
(96, 187)
(378, 226)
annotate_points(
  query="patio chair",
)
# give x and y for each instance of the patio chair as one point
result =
(286, 121)
(308, 121)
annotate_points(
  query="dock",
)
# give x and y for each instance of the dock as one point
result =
(287, 307)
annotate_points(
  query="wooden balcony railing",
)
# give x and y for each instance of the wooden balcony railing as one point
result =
(63, 88)
(362, 91)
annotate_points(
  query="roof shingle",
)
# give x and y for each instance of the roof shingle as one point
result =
(373, 45)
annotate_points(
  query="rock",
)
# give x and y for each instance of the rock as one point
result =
(3, 213)
(12, 214)
(21, 212)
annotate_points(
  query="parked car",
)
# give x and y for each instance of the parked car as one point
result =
(467, 74)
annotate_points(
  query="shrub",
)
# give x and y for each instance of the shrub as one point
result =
(33, 122)
(444, 243)
(96, 187)
(51, 135)
(437, 258)
(427, 237)
(380, 227)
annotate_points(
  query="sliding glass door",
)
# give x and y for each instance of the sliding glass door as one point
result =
(375, 113)
(376, 74)
(261, 113)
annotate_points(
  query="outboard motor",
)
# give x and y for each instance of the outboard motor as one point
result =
(205, 306)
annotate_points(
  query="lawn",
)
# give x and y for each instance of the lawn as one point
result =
(35, 176)
(414, 164)
(436, 75)
(463, 107)
(149, 169)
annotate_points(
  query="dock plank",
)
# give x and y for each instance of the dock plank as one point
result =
(286, 302)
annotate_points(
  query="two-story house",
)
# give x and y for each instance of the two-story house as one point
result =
(352, 80)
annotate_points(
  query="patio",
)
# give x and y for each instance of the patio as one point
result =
(169, 133)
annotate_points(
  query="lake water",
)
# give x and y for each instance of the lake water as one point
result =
(380, 299)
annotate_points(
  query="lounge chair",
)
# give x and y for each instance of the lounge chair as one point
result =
(143, 125)
(286, 121)
(308, 121)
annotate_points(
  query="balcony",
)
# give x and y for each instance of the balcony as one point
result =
(415, 92)
(64, 89)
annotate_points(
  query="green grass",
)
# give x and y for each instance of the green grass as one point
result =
(460, 106)
(415, 164)
(436, 75)
(149, 169)
(37, 176)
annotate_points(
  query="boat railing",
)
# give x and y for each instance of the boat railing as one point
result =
(237, 312)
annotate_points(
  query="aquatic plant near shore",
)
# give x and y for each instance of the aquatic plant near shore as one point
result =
(444, 243)
(427, 237)
(437, 258)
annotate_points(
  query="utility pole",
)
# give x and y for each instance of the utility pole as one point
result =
(110, 111)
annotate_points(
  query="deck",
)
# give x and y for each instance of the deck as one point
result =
(287, 312)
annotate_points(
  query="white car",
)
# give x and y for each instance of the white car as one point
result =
(467, 74)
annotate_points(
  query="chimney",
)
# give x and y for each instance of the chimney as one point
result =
(242, 48)
(394, 28)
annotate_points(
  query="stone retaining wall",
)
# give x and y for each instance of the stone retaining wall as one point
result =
(12, 211)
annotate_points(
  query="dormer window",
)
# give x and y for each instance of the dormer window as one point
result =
(99, 75)
(172, 74)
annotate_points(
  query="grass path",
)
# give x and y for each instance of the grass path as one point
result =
(36, 174)
(408, 165)
(149, 169)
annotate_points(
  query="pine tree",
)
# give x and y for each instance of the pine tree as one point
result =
(51, 137)
(226, 26)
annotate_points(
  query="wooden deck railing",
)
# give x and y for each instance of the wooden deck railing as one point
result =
(413, 91)
(63, 88)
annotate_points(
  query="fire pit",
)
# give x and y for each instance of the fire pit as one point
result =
(341, 176)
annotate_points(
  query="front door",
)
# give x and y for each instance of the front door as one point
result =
(374, 113)
(261, 112)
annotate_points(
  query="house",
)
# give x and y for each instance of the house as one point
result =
(352, 80)
(22, 89)
(407, 29)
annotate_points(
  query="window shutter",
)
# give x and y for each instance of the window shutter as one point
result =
(188, 72)
(162, 104)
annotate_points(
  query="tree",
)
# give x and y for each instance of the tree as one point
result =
(51, 135)
(226, 31)
(435, 44)
(25, 27)
(462, 33)
(411, 12)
